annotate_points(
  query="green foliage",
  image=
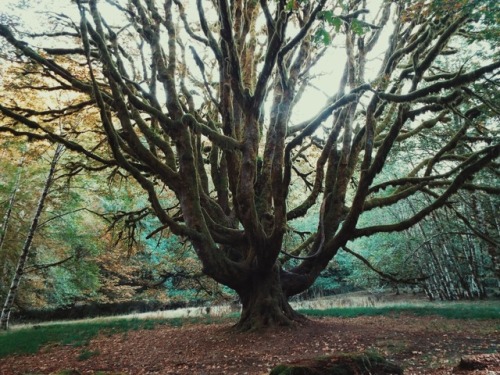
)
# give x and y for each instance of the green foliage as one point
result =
(290, 5)
(75, 281)
(78, 278)
(322, 36)
(329, 17)
(335, 278)
(357, 27)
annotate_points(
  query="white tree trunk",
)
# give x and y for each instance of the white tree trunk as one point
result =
(11, 295)
(5, 223)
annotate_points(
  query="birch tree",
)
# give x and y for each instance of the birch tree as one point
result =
(10, 204)
(16, 279)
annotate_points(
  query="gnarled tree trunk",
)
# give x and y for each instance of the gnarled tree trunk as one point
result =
(264, 303)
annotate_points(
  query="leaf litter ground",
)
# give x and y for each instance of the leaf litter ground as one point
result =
(422, 345)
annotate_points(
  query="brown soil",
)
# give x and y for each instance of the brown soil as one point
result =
(422, 345)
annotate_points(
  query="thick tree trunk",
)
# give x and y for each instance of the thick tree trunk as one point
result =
(11, 295)
(264, 303)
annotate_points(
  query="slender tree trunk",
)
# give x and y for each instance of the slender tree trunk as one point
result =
(5, 223)
(469, 251)
(11, 295)
(493, 250)
(450, 256)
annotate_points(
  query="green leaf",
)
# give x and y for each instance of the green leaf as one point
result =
(331, 19)
(336, 22)
(326, 15)
(322, 36)
(357, 27)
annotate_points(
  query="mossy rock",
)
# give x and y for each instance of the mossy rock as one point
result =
(340, 364)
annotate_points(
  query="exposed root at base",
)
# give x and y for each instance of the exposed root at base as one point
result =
(262, 322)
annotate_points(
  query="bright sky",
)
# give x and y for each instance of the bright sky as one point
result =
(329, 69)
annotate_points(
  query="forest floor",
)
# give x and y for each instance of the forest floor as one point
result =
(422, 345)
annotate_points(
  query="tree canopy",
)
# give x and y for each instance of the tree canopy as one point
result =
(205, 108)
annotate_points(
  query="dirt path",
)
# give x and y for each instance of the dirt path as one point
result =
(422, 345)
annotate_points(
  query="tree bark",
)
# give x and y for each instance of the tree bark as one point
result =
(11, 295)
(5, 223)
(264, 304)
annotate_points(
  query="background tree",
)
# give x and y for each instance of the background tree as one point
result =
(83, 253)
(16, 278)
(449, 255)
(203, 108)
(10, 204)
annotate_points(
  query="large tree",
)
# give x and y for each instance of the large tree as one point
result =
(201, 103)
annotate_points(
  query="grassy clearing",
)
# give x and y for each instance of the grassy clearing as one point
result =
(30, 339)
(449, 311)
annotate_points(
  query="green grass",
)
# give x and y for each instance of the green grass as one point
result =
(86, 354)
(455, 311)
(30, 340)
